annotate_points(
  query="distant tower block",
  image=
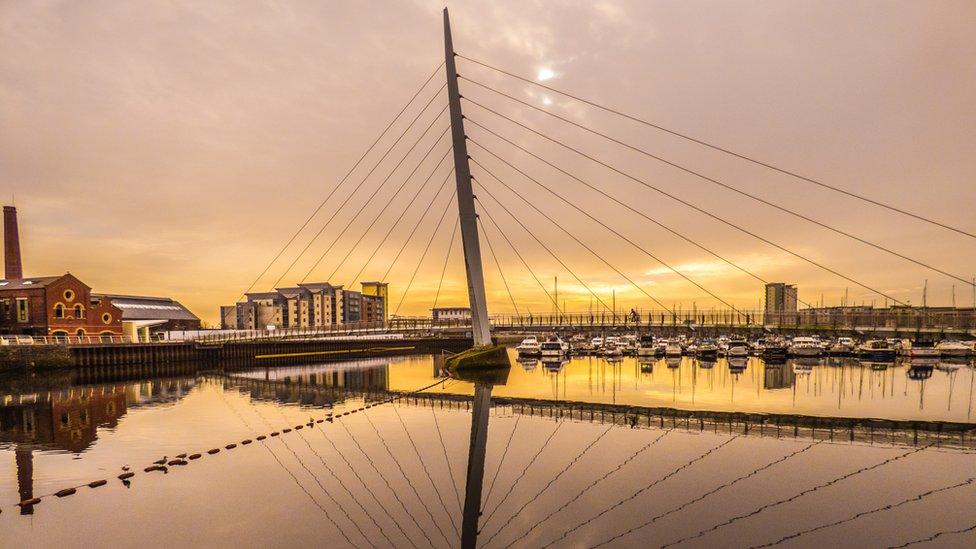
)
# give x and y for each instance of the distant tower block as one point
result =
(13, 269)
(378, 289)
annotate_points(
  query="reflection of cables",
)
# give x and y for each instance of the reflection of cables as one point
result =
(385, 481)
(936, 536)
(427, 472)
(590, 486)
(355, 473)
(852, 518)
(447, 460)
(684, 466)
(406, 478)
(508, 444)
(706, 494)
(568, 466)
(220, 393)
(797, 496)
(524, 471)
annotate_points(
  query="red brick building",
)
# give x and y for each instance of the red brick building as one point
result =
(56, 306)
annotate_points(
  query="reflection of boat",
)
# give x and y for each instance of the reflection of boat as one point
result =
(774, 350)
(953, 349)
(529, 347)
(923, 348)
(706, 349)
(947, 367)
(920, 372)
(554, 364)
(805, 346)
(876, 349)
(528, 363)
(646, 366)
(876, 366)
(672, 349)
(738, 348)
(738, 365)
(673, 361)
(706, 364)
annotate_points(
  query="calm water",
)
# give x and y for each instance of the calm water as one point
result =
(394, 474)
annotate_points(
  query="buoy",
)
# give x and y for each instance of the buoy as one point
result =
(299, 427)
(65, 492)
(230, 446)
(177, 462)
(152, 468)
(262, 437)
(213, 451)
(246, 441)
(124, 476)
(29, 502)
(194, 456)
(160, 461)
(319, 420)
(97, 483)
(180, 456)
(274, 434)
(286, 430)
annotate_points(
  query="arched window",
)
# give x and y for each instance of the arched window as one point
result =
(80, 332)
(79, 310)
(106, 337)
(59, 311)
(60, 336)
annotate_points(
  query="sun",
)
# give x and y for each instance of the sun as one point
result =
(545, 74)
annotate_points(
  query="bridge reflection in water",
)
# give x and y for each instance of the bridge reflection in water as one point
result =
(558, 447)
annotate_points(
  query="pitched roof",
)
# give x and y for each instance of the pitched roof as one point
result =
(29, 282)
(149, 308)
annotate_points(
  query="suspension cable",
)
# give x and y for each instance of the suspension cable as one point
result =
(358, 186)
(724, 150)
(522, 259)
(694, 207)
(504, 282)
(341, 181)
(382, 184)
(612, 198)
(416, 226)
(602, 224)
(424, 254)
(546, 248)
(389, 203)
(450, 246)
(402, 214)
(724, 185)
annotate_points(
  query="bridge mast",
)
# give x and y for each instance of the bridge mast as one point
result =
(480, 328)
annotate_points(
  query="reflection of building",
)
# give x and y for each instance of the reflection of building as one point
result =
(307, 306)
(780, 304)
(778, 377)
(451, 313)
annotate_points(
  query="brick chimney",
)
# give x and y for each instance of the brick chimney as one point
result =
(11, 244)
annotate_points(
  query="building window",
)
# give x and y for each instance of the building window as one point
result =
(106, 337)
(80, 332)
(79, 310)
(60, 335)
(59, 311)
(69, 295)
(23, 310)
(106, 318)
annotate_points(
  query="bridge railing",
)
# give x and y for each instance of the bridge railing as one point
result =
(97, 339)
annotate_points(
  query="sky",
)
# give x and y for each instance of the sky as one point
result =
(173, 147)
